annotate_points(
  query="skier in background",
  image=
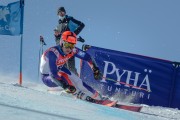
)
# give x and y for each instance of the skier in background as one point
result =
(68, 23)
(54, 73)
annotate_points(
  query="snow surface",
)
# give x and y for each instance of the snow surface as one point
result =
(34, 102)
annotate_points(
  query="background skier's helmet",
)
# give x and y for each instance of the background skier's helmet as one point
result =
(61, 9)
(68, 37)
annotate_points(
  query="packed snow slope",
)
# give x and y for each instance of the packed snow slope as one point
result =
(33, 102)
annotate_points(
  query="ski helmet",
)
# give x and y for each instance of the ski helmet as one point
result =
(69, 37)
(61, 9)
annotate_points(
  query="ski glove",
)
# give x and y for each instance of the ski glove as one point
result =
(70, 89)
(80, 39)
(65, 86)
(57, 34)
(97, 73)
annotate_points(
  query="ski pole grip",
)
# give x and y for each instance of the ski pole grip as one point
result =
(42, 40)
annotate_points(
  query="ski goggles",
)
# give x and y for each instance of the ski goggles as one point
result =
(69, 45)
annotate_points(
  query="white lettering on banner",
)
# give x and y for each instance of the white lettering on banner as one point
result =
(109, 88)
(120, 91)
(8, 28)
(128, 74)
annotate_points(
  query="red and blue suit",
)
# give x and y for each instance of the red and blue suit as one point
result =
(54, 73)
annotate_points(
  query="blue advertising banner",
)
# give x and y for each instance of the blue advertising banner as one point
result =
(176, 91)
(11, 16)
(130, 77)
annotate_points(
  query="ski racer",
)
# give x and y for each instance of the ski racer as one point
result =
(54, 73)
(68, 23)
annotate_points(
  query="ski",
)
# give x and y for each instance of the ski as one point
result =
(128, 107)
(107, 102)
(115, 104)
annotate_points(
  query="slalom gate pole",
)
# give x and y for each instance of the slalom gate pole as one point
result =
(21, 42)
(20, 72)
(109, 79)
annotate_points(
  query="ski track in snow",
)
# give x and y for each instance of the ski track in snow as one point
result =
(32, 101)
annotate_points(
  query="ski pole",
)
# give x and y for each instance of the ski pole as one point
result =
(109, 79)
(42, 43)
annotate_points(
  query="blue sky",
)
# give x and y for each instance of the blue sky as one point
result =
(145, 27)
